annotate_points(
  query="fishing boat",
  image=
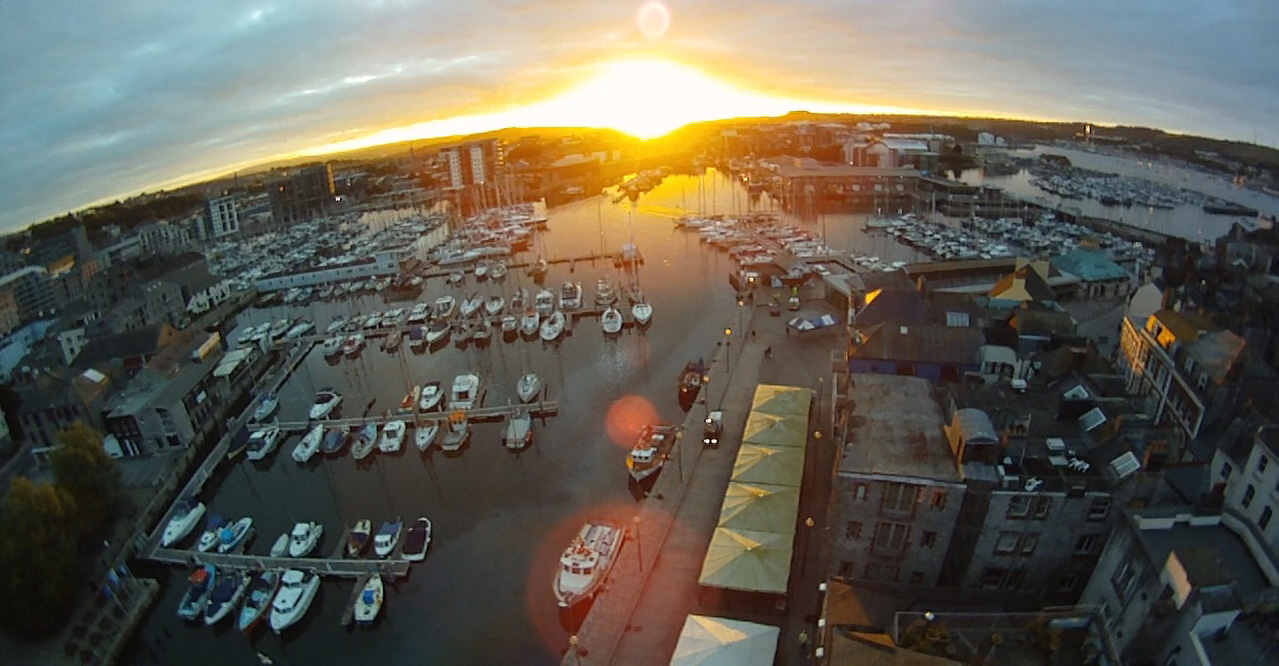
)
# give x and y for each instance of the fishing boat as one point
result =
(586, 561)
(197, 595)
(611, 321)
(387, 538)
(465, 393)
(494, 305)
(649, 453)
(437, 330)
(185, 517)
(304, 538)
(457, 434)
(392, 437)
(424, 435)
(544, 302)
(431, 396)
(409, 402)
(326, 400)
(257, 600)
(690, 383)
(519, 430)
(444, 307)
(309, 444)
(335, 438)
(212, 531)
(233, 536)
(358, 538)
(471, 305)
(267, 407)
(530, 322)
(553, 327)
(417, 540)
(528, 387)
(605, 293)
(226, 595)
(297, 591)
(369, 603)
(365, 441)
(571, 296)
(353, 344)
(642, 312)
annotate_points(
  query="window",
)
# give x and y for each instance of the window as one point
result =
(1226, 469)
(853, 530)
(1043, 506)
(1098, 509)
(884, 572)
(899, 497)
(1266, 515)
(928, 540)
(1248, 494)
(1018, 506)
(1006, 544)
(859, 492)
(1015, 576)
(1122, 580)
(1202, 382)
(992, 578)
(891, 536)
(1028, 543)
(1067, 582)
(938, 502)
(1262, 463)
(1086, 545)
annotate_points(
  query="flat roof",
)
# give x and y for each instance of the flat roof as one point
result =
(897, 430)
(1232, 553)
(841, 171)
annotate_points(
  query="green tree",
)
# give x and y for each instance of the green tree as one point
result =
(83, 469)
(38, 556)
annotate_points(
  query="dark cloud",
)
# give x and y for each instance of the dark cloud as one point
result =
(98, 99)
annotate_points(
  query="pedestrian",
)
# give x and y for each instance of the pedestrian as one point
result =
(768, 351)
(752, 335)
(803, 641)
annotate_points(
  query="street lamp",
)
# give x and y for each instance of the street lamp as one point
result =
(639, 548)
(728, 349)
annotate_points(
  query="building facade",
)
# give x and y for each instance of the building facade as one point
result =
(31, 290)
(1249, 485)
(221, 218)
(303, 196)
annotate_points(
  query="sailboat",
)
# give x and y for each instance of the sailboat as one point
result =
(641, 309)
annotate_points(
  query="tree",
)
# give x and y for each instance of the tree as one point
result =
(38, 555)
(83, 469)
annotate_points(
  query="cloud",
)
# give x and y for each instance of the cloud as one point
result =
(101, 99)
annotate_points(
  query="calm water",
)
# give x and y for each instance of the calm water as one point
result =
(483, 594)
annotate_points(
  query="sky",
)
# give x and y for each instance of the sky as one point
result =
(102, 99)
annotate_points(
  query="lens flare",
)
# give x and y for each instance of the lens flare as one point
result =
(626, 417)
(654, 19)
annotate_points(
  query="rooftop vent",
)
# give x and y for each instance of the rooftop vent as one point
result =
(1125, 465)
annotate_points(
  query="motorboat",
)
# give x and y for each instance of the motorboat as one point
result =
(409, 402)
(457, 434)
(510, 324)
(571, 296)
(481, 271)
(690, 383)
(326, 400)
(297, 591)
(419, 313)
(258, 598)
(365, 441)
(456, 277)
(304, 538)
(226, 596)
(358, 538)
(424, 435)
(267, 407)
(498, 271)
(281, 546)
(642, 312)
(335, 438)
(197, 595)
(650, 451)
(185, 517)
(586, 561)
(611, 321)
(530, 323)
(369, 603)
(437, 330)
(353, 344)
(466, 391)
(338, 323)
(387, 537)
(544, 302)
(417, 337)
(605, 293)
(309, 444)
(332, 346)
(232, 537)
(471, 305)
(392, 437)
(212, 531)
(431, 395)
(483, 330)
(417, 540)
(279, 328)
(539, 268)
(392, 341)
(553, 327)
(519, 300)
(444, 307)
(519, 430)
(494, 305)
(528, 387)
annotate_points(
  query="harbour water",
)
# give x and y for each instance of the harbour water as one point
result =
(483, 594)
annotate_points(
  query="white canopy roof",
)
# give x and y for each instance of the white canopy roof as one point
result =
(714, 641)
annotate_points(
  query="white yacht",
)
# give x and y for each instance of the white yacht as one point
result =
(466, 392)
(586, 562)
(304, 538)
(571, 296)
(392, 437)
(226, 595)
(642, 312)
(494, 305)
(456, 436)
(444, 307)
(471, 305)
(438, 330)
(333, 345)
(387, 537)
(353, 344)
(326, 400)
(270, 403)
(605, 293)
(528, 387)
(519, 430)
(263, 442)
(419, 313)
(544, 302)
(369, 603)
(305, 450)
(553, 326)
(530, 322)
(424, 435)
(432, 395)
(297, 591)
(611, 321)
(185, 517)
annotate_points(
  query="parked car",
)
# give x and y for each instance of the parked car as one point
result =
(714, 429)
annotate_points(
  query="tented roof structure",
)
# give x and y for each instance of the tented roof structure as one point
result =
(776, 465)
(714, 641)
(748, 560)
(760, 507)
(782, 400)
(773, 430)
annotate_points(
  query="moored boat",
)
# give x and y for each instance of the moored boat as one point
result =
(197, 595)
(642, 312)
(431, 395)
(465, 393)
(611, 321)
(388, 537)
(365, 441)
(530, 322)
(424, 435)
(519, 430)
(457, 434)
(553, 327)
(690, 383)
(232, 537)
(571, 296)
(326, 400)
(416, 540)
(185, 517)
(212, 531)
(392, 437)
(528, 387)
(494, 305)
(257, 600)
(650, 451)
(270, 402)
(297, 591)
(358, 538)
(409, 402)
(335, 438)
(304, 538)
(309, 444)
(369, 603)
(226, 595)
(544, 302)
(586, 562)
